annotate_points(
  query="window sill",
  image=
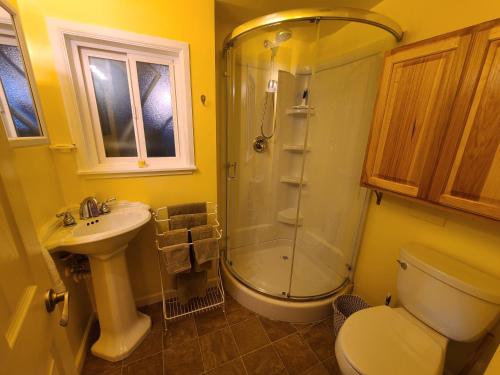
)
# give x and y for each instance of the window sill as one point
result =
(28, 141)
(106, 172)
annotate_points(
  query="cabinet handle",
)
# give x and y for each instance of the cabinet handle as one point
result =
(231, 166)
(402, 264)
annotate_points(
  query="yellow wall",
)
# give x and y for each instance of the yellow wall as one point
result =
(395, 221)
(190, 21)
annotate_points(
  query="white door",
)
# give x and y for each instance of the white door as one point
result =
(31, 340)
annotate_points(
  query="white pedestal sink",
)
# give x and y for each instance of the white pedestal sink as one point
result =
(104, 240)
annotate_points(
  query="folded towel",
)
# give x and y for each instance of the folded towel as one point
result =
(201, 232)
(190, 285)
(188, 221)
(205, 250)
(173, 237)
(176, 258)
(187, 208)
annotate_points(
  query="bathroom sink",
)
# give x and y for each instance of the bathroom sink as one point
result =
(102, 235)
(104, 240)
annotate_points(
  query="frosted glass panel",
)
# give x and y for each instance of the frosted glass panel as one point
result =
(113, 106)
(156, 102)
(17, 92)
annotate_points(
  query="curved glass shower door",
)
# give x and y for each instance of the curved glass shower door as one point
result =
(263, 150)
(300, 98)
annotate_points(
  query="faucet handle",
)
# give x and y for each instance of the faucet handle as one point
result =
(68, 219)
(104, 207)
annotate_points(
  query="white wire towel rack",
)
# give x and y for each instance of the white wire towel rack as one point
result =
(214, 298)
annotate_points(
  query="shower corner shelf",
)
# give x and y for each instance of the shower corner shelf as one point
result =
(300, 110)
(292, 180)
(295, 147)
(289, 216)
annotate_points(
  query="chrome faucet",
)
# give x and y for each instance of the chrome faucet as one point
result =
(89, 208)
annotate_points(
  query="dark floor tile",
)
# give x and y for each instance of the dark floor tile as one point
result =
(264, 361)
(94, 331)
(236, 313)
(332, 366)
(276, 329)
(318, 369)
(153, 308)
(300, 326)
(147, 366)
(210, 321)
(179, 331)
(150, 345)
(94, 365)
(321, 339)
(155, 312)
(295, 354)
(218, 348)
(231, 368)
(249, 335)
(183, 359)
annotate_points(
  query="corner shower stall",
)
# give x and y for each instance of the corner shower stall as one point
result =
(301, 86)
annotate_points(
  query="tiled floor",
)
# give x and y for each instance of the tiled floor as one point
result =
(233, 342)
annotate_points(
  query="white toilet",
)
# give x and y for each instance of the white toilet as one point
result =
(440, 297)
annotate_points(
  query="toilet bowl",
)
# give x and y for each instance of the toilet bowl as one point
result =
(441, 299)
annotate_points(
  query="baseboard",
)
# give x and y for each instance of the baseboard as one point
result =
(148, 299)
(81, 355)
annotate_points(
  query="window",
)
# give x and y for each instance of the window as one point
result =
(133, 101)
(20, 113)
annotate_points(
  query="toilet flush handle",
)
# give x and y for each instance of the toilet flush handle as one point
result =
(402, 264)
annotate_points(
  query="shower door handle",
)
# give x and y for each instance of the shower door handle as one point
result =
(231, 167)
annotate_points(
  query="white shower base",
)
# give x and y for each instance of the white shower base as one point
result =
(267, 266)
(279, 309)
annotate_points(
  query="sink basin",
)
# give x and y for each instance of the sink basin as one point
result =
(104, 240)
(102, 235)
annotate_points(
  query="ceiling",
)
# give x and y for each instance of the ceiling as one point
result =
(239, 11)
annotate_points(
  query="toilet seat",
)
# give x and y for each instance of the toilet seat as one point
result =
(381, 341)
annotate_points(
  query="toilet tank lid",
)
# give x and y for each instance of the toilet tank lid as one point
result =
(452, 272)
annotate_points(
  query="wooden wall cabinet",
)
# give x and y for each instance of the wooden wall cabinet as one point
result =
(436, 128)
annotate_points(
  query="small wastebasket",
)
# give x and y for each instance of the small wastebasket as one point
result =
(344, 306)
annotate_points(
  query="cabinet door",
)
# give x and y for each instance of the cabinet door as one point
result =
(417, 90)
(474, 181)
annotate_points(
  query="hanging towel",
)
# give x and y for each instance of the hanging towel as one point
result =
(190, 285)
(57, 282)
(187, 208)
(201, 232)
(173, 237)
(205, 251)
(176, 258)
(187, 221)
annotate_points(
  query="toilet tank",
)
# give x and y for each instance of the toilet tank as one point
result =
(453, 298)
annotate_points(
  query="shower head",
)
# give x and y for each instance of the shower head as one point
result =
(281, 36)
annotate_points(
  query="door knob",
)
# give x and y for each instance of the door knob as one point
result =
(52, 298)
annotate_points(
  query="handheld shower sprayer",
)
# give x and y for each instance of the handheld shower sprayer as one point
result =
(260, 142)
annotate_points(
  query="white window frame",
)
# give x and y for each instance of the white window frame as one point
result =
(11, 27)
(71, 43)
